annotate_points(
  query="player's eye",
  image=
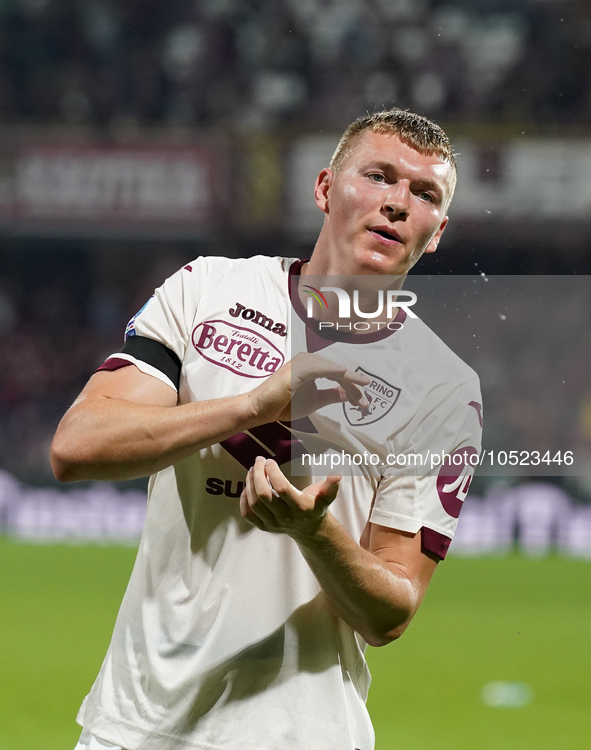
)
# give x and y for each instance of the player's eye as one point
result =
(426, 197)
(377, 177)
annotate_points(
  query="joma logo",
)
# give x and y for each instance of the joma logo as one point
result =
(257, 317)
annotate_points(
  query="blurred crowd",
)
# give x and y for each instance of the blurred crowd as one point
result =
(259, 63)
(61, 315)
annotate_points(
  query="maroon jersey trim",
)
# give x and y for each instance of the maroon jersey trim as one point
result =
(433, 541)
(114, 363)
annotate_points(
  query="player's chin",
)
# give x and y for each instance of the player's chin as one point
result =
(379, 261)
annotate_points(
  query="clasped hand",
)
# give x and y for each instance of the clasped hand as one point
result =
(292, 393)
(271, 503)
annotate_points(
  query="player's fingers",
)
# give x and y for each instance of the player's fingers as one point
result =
(289, 494)
(259, 479)
(278, 481)
(354, 376)
(256, 504)
(328, 396)
(350, 381)
(248, 514)
(327, 490)
(244, 506)
(355, 395)
(306, 367)
(272, 498)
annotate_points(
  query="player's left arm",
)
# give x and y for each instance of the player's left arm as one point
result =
(377, 590)
(376, 586)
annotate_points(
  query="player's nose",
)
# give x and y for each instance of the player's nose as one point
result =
(397, 200)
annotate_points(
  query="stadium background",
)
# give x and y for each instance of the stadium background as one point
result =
(135, 135)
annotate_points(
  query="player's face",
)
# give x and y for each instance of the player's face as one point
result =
(384, 208)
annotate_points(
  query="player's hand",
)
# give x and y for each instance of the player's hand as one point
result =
(292, 393)
(271, 503)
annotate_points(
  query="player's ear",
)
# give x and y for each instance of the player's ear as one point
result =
(322, 189)
(432, 246)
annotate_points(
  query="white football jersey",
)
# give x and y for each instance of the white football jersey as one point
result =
(225, 640)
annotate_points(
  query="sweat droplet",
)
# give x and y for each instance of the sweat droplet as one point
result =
(483, 275)
(502, 317)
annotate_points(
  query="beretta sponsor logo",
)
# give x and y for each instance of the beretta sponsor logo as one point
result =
(240, 350)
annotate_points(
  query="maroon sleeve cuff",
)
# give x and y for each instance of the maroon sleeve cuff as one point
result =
(433, 541)
(114, 363)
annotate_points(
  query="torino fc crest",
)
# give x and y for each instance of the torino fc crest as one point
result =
(381, 396)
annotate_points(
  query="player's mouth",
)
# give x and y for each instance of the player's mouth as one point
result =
(386, 235)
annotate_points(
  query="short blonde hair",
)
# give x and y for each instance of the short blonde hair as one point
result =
(415, 130)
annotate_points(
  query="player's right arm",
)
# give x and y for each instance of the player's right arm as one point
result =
(127, 424)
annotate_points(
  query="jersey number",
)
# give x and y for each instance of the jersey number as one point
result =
(461, 484)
